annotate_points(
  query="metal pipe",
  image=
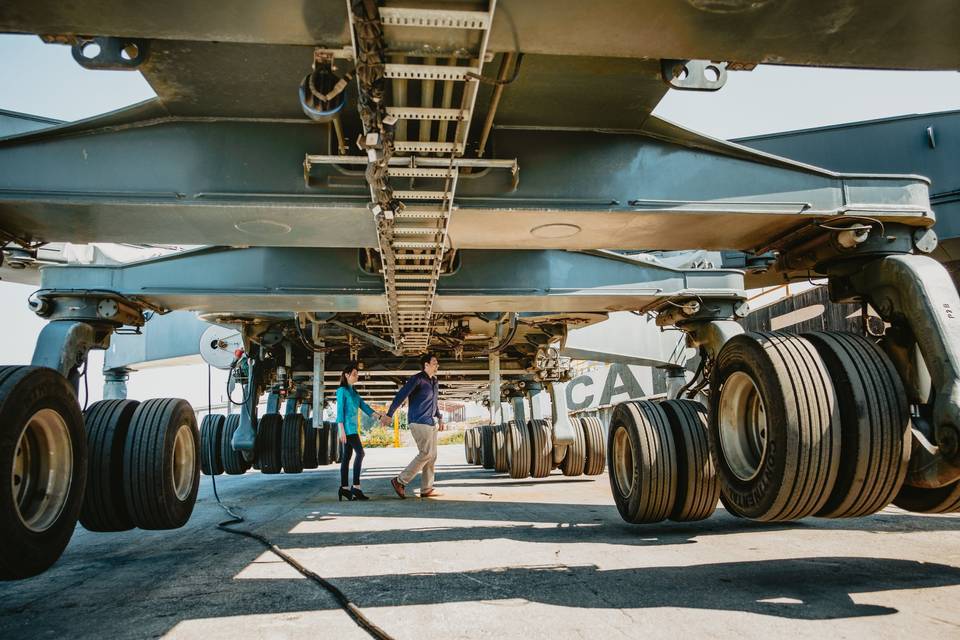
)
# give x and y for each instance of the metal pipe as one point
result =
(495, 101)
(338, 128)
(369, 337)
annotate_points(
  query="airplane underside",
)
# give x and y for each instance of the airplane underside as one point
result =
(369, 181)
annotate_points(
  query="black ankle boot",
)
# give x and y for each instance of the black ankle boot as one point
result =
(344, 493)
(358, 495)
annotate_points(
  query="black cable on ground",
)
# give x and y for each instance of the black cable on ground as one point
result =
(345, 603)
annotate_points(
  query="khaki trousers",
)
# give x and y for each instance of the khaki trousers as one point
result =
(425, 435)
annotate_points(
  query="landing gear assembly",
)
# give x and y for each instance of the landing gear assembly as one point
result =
(821, 424)
(535, 447)
(119, 465)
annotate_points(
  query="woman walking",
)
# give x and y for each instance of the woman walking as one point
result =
(348, 403)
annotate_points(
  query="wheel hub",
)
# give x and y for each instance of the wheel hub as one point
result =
(184, 462)
(623, 461)
(743, 426)
(42, 470)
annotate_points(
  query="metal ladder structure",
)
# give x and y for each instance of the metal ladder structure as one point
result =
(412, 223)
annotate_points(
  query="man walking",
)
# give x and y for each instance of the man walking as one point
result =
(421, 389)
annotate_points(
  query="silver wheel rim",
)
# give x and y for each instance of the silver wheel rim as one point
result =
(184, 462)
(743, 426)
(623, 461)
(42, 470)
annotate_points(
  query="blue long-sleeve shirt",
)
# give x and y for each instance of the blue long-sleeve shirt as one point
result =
(348, 402)
(422, 391)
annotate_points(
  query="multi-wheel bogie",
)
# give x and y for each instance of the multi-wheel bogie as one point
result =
(826, 424)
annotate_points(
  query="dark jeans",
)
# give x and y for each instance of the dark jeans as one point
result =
(349, 447)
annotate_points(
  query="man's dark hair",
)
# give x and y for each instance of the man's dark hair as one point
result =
(425, 360)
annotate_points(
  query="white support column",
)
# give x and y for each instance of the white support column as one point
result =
(319, 362)
(676, 378)
(536, 405)
(495, 406)
(562, 427)
(519, 411)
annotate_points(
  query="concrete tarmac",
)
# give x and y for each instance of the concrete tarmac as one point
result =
(492, 557)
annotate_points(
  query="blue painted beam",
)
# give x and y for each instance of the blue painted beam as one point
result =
(240, 183)
(925, 144)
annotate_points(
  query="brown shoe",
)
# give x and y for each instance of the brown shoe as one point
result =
(398, 487)
(429, 493)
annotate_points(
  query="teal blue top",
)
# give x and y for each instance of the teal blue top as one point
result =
(348, 402)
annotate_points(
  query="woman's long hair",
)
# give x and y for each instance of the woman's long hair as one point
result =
(347, 370)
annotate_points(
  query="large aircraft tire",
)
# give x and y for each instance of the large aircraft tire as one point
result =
(575, 459)
(309, 444)
(594, 444)
(541, 448)
(161, 464)
(234, 463)
(323, 445)
(486, 446)
(467, 446)
(477, 446)
(43, 469)
(211, 434)
(500, 461)
(518, 450)
(270, 443)
(774, 426)
(919, 500)
(698, 487)
(292, 443)
(104, 506)
(642, 462)
(875, 425)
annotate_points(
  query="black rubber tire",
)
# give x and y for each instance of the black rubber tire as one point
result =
(594, 445)
(642, 462)
(24, 391)
(486, 446)
(919, 500)
(875, 425)
(211, 435)
(797, 467)
(541, 448)
(518, 450)
(149, 464)
(698, 487)
(309, 444)
(468, 446)
(104, 506)
(500, 461)
(323, 445)
(336, 447)
(255, 462)
(270, 443)
(477, 446)
(292, 443)
(575, 459)
(234, 463)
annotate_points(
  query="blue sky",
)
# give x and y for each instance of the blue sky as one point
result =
(44, 80)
